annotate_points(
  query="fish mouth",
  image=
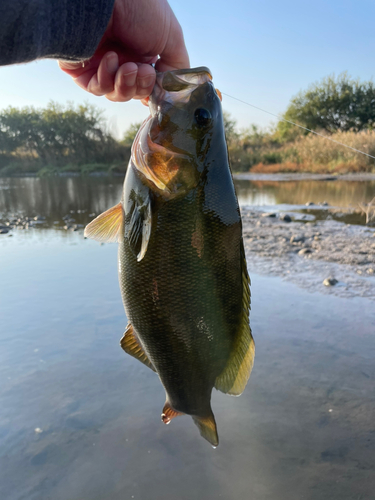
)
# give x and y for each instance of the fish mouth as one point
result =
(161, 164)
(175, 87)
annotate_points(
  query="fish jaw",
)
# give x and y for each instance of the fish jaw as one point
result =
(176, 87)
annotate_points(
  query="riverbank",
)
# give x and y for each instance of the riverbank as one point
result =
(321, 255)
(303, 176)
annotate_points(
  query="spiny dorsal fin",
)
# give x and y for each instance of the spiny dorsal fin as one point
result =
(169, 413)
(138, 227)
(207, 428)
(107, 226)
(132, 346)
(234, 378)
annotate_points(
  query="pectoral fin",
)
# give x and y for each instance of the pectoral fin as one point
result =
(234, 378)
(107, 226)
(138, 226)
(132, 346)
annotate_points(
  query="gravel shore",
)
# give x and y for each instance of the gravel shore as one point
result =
(308, 253)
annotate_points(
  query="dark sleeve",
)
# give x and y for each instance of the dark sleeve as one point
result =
(58, 29)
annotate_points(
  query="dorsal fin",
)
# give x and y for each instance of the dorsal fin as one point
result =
(132, 346)
(207, 428)
(235, 375)
(107, 226)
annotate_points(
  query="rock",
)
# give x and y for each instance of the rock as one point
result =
(286, 218)
(297, 239)
(304, 251)
(309, 203)
(324, 204)
(4, 231)
(39, 218)
(330, 281)
(269, 214)
(370, 270)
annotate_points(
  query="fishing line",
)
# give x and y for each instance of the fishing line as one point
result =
(300, 126)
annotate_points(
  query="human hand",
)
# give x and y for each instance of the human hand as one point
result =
(138, 32)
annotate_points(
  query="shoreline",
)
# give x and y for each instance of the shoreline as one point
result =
(305, 176)
(282, 176)
(307, 253)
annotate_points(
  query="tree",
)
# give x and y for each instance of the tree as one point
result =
(57, 136)
(130, 134)
(334, 104)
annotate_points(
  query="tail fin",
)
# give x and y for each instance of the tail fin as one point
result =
(207, 428)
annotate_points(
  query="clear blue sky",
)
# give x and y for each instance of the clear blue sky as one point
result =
(263, 52)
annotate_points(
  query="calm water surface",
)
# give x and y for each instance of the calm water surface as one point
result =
(80, 420)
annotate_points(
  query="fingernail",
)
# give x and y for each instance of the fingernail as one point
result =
(146, 81)
(129, 78)
(69, 64)
(112, 63)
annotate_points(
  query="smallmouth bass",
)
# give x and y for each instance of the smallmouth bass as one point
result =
(182, 267)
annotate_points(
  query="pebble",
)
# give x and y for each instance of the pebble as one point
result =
(269, 214)
(330, 281)
(304, 251)
(297, 239)
(4, 231)
(286, 218)
(309, 203)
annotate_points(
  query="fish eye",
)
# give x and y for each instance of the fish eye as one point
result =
(202, 116)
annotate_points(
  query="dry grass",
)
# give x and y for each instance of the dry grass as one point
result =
(313, 153)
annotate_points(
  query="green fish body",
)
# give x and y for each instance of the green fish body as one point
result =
(182, 267)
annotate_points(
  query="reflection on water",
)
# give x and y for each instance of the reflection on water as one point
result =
(79, 419)
(337, 193)
(56, 197)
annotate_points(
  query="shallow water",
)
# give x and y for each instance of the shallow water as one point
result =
(79, 419)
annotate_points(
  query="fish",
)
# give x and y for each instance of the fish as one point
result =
(181, 259)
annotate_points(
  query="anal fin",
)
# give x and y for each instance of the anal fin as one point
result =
(132, 346)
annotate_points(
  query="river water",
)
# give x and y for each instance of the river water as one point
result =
(80, 420)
